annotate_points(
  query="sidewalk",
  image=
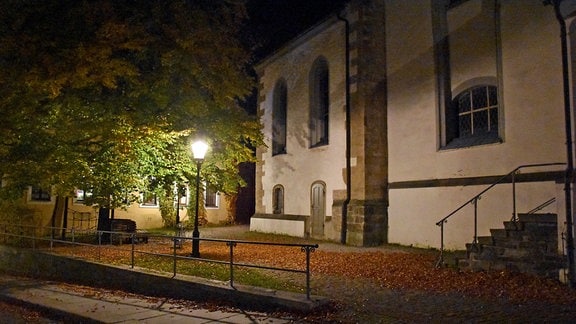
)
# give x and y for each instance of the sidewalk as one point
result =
(91, 307)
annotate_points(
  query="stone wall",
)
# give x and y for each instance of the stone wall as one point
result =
(44, 265)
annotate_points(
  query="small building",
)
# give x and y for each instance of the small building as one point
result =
(73, 213)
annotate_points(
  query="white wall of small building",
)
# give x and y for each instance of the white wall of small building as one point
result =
(146, 217)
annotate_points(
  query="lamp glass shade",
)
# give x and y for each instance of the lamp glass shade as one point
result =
(199, 149)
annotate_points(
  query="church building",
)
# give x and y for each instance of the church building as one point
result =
(385, 121)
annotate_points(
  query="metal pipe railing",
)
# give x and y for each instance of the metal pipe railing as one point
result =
(231, 244)
(542, 205)
(474, 201)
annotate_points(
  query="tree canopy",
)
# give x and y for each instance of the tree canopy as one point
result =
(104, 94)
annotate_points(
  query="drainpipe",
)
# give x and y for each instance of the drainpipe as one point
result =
(344, 230)
(569, 153)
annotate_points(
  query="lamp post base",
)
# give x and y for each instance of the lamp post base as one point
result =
(195, 244)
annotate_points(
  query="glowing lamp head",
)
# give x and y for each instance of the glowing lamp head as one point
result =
(199, 149)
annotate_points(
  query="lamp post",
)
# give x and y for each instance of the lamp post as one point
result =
(177, 205)
(199, 149)
(178, 242)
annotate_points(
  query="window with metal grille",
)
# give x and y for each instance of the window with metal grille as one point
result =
(477, 111)
(475, 118)
(467, 38)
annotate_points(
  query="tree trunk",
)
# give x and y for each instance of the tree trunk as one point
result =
(231, 208)
(57, 212)
(104, 223)
(65, 218)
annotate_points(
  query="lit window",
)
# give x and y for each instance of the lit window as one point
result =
(149, 199)
(211, 197)
(79, 195)
(38, 194)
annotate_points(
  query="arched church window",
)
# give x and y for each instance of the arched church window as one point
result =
(279, 107)
(319, 103)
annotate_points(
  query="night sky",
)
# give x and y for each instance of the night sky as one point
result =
(274, 22)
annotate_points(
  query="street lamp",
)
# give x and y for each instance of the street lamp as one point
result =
(199, 149)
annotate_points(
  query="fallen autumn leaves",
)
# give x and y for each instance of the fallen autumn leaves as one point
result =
(413, 270)
(400, 270)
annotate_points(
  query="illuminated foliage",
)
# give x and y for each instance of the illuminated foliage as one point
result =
(104, 94)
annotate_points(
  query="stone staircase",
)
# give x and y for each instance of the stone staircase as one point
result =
(529, 245)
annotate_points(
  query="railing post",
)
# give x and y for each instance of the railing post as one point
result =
(475, 202)
(441, 257)
(308, 249)
(514, 216)
(231, 244)
(132, 239)
(99, 243)
(51, 241)
(34, 238)
(174, 257)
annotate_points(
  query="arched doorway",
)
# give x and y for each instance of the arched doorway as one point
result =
(318, 208)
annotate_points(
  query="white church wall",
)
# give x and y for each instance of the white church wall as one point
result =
(416, 211)
(301, 166)
(531, 108)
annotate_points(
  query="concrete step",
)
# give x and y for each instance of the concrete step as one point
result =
(516, 253)
(472, 249)
(488, 240)
(498, 232)
(507, 242)
(502, 264)
(512, 247)
(453, 258)
(538, 229)
(538, 218)
(529, 245)
(544, 248)
(513, 226)
(490, 252)
(464, 263)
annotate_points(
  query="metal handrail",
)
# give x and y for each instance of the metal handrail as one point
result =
(542, 205)
(474, 201)
(177, 240)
